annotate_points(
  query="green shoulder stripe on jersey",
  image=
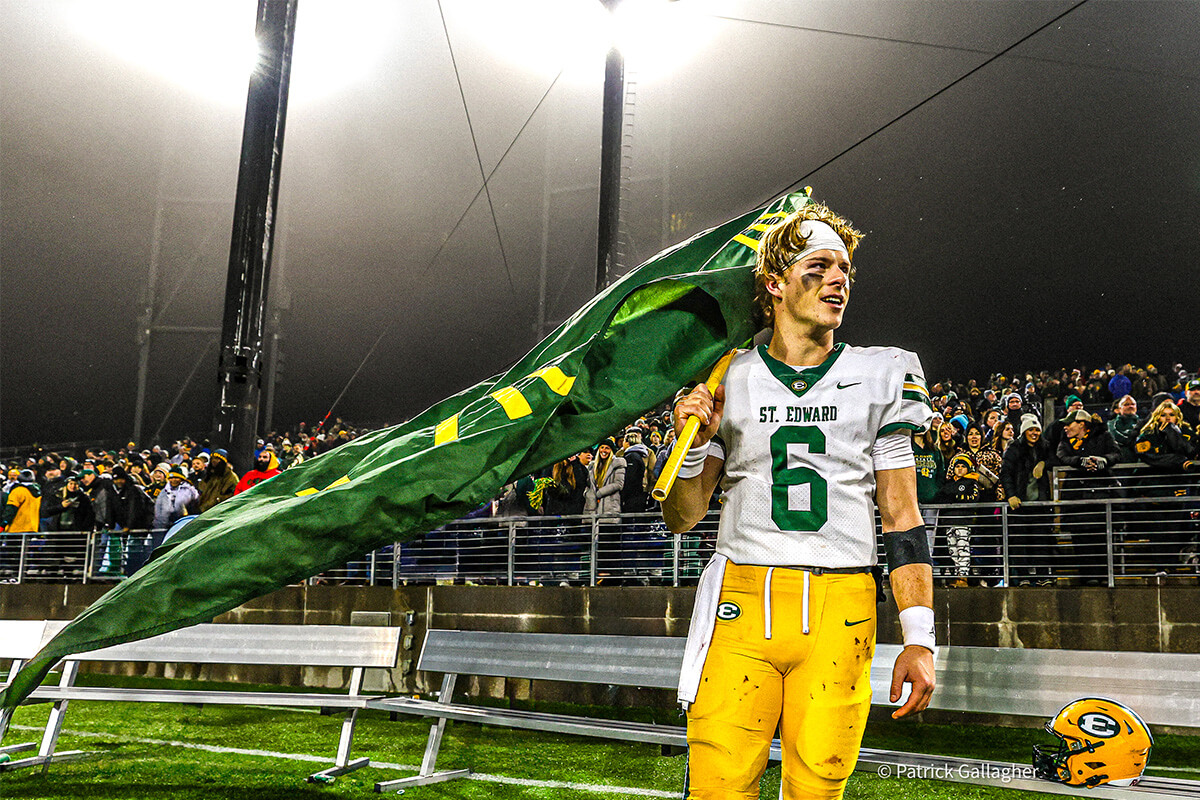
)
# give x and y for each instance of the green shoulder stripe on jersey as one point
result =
(917, 397)
(892, 427)
(799, 380)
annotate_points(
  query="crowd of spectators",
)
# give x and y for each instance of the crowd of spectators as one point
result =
(974, 423)
(979, 424)
(145, 490)
(989, 443)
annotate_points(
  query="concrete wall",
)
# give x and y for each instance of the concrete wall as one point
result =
(1138, 618)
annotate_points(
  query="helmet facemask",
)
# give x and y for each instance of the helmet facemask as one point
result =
(1054, 763)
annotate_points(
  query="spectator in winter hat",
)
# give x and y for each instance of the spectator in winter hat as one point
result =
(174, 501)
(219, 481)
(290, 455)
(1013, 408)
(1054, 433)
(1189, 406)
(158, 479)
(1087, 444)
(133, 510)
(1026, 479)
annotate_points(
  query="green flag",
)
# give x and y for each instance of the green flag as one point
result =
(629, 349)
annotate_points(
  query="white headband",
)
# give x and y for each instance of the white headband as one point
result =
(819, 236)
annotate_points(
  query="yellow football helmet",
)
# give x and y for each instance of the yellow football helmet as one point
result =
(1102, 741)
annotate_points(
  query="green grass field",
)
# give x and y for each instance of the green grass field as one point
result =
(159, 751)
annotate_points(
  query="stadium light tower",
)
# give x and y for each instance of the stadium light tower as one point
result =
(610, 148)
(235, 424)
(610, 158)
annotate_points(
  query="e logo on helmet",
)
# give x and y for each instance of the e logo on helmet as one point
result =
(1100, 725)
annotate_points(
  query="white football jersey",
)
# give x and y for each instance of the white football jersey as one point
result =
(799, 479)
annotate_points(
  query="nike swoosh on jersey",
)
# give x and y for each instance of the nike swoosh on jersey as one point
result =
(850, 624)
(847, 385)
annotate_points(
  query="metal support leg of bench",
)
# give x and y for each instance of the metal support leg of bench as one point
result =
(44, 763)
(49, 742)
(7, 714)
(7, 750)
(342, 764)
(57, 713)
(429, 762)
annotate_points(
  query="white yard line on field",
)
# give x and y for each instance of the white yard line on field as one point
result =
(586, 787)
(474, 776)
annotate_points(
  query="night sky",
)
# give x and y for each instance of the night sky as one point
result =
(1027, 173)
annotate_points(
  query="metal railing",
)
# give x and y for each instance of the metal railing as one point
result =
(1127, 480)
(74, 556)
(1096, 532)
(1101, 542)
(630, 549)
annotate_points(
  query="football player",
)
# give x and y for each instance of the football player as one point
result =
(805, 436)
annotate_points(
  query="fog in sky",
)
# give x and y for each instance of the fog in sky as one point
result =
(1027, 174)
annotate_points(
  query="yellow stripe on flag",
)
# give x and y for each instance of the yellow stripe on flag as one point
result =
(746, 240)
(513, 402)
(446, 431)
(340, 481)
(558, 381)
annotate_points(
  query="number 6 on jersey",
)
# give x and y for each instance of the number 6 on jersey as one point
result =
(785, 477)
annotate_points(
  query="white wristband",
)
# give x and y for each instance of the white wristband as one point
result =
(693, 461)
(917, 624)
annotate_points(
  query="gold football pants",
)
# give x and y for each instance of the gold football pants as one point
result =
(763, 672)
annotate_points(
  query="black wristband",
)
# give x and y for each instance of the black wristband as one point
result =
(906, 547)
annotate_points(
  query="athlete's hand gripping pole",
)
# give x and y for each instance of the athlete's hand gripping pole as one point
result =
(666, 478)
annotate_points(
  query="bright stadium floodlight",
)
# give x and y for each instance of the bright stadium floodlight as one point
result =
(657, 36)
(546, 36)
(209, 48)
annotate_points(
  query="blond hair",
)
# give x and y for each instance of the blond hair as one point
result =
(780, 245)
(1155, 415)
